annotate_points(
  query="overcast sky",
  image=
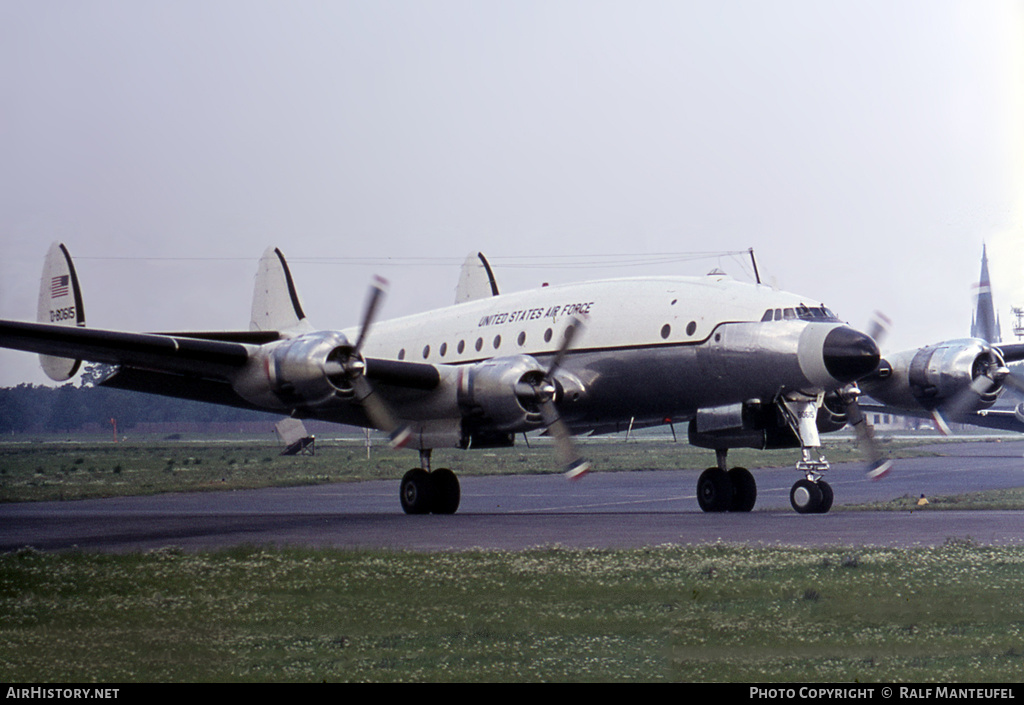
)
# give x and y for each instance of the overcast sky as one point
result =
(866, 150)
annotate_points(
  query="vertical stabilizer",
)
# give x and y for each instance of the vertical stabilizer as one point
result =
(60, 303)
(275, 300)
(476, 280)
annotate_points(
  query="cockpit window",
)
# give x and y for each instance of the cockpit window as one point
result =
(815, 313)
(801, 312)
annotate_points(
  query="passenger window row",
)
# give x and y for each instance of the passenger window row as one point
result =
(460, 347)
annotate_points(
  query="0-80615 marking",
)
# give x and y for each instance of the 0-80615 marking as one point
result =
(62, 314)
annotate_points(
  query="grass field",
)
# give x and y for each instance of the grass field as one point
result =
(712, 613)
(715, 613)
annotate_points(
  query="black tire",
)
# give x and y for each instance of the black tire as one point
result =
(714, 490)
(446, 492)
(744, 490)
(416, 492)
(805, 496)
(826, 496)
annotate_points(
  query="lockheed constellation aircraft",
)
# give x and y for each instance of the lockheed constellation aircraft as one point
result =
(745, 365)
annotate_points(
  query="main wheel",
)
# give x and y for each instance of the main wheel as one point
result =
(744, 490)
(714, 490)
(445, 488)
(417, 492)
(806, 497)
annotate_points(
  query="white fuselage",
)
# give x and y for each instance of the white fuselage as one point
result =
(652, 349)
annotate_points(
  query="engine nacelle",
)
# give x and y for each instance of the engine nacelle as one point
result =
(933, 375)
(748, 425)
(499, 394)
(832, 414)
(306, 371)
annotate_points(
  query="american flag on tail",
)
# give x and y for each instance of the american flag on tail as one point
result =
(59, 286)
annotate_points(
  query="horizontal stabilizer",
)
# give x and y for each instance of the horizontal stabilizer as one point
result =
(60, 304)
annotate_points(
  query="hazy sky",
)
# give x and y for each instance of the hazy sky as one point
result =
(865, 149)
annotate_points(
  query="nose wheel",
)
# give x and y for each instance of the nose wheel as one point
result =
(810, 497)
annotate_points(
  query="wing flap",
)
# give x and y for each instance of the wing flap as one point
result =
(179, 386)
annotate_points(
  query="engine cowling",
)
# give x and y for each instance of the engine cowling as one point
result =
(502, 394)
(832, 415)
(307, 371)
(935, 375)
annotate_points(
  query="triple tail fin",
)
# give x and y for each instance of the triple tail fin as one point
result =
(60, 303)
(275, 300)
(476, 280)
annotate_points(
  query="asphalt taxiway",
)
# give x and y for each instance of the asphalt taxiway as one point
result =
(603, 510)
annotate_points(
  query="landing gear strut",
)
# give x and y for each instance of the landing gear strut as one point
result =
(426, 492)
(720, 489)
(811, 495)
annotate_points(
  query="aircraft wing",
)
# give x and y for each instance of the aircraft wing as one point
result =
(166, 353)
(1011, 352)
(997, 419)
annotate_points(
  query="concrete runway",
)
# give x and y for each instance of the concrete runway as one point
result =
(603, 510)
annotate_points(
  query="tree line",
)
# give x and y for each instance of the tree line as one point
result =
(29, 408)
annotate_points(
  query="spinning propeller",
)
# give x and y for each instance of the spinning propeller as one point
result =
(352, 368)
(878, 465)
(542, 391)
(990, 372)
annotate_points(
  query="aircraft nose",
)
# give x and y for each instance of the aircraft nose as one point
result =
(849, 354)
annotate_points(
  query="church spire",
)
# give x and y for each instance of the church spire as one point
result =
(984, 324)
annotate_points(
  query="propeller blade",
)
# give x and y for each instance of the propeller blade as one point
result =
(940, 423)
(572, 329)
(878, 327)
(575, 465)
(878, 465)
(377, 291)
(354, 369)
(1012, 380)
(380, 414)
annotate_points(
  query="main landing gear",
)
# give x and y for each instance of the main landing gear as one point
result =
(720, 489)
(426, 492)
